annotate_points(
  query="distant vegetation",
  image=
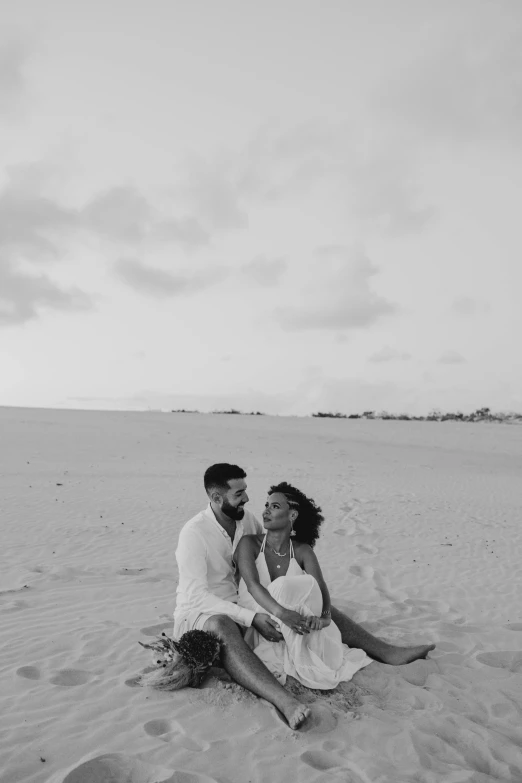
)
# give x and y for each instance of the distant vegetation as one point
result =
(241, 413)
(481, 414)
(231, 411)
(321, 415)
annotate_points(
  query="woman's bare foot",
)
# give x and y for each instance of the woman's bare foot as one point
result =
(398, 656)
(296, 714)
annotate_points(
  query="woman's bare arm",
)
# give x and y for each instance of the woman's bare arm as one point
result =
(311, 565)
(245, 557)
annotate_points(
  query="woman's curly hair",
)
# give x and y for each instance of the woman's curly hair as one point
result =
(307, 524)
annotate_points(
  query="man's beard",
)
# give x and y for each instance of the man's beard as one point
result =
(232, 512)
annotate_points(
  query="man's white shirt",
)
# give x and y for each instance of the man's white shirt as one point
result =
(208, 578)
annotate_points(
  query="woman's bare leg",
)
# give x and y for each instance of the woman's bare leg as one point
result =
(355, 635)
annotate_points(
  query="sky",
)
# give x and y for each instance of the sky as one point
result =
(289, 206)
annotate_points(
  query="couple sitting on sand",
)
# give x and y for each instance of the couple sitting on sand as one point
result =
(260, 589)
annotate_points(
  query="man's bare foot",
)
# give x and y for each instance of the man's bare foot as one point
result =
(297, 714)
(398, 656)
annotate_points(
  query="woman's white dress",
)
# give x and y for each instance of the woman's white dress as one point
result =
(318, 659)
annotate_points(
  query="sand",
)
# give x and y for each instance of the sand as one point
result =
(422, 542)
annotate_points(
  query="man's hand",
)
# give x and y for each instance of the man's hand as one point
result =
(267, 628)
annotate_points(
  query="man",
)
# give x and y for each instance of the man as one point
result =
(207, 594)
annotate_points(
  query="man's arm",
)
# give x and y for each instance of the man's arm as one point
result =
(192, 565)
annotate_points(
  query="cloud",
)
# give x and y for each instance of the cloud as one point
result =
(266, 272)
(387, 354)
(384, 191)
(121, 213)
(162, 284)
(369, 172)
(337, 295)
(467, 306)
(32, 225)
(215, 193)
(33, 229)
(36, 229)
(23, 296)
(465, 85)
(13, 56)
(278, 162)
(186, 231)
(451, 357)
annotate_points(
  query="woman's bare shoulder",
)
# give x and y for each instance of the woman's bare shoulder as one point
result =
(300, 547)
(250, 543)
(303, 552)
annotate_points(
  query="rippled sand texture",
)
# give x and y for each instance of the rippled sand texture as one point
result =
(423, 542)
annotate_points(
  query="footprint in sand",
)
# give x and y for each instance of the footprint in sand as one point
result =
(156, 630)
(514, 626)
(70, 677)
(340, 531)
(362, 529)
(417, 672)
(420, 605)
(29, 672)
(511, 660)
(134, 682)
(168, 731)
(503, 710)
(322, 760)
(333, 745)
(366, 572)
(325, 761)
(66, 677)
(350, 526)
(382, 585)
(158, 727)
(119, 768)
(16, 606)
(367, 550)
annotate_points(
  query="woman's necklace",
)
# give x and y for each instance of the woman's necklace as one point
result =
(279, 554)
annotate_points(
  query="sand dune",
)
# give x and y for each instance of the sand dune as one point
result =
(423, 542)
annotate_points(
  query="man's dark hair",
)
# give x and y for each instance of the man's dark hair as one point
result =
(217, 476)
(309, 520)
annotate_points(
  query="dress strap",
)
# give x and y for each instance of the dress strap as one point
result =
(291, 550)
(263, 544)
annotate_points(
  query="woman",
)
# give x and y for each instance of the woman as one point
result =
(280, 575)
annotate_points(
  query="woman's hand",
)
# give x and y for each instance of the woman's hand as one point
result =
(318, 623)
(295, 621)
